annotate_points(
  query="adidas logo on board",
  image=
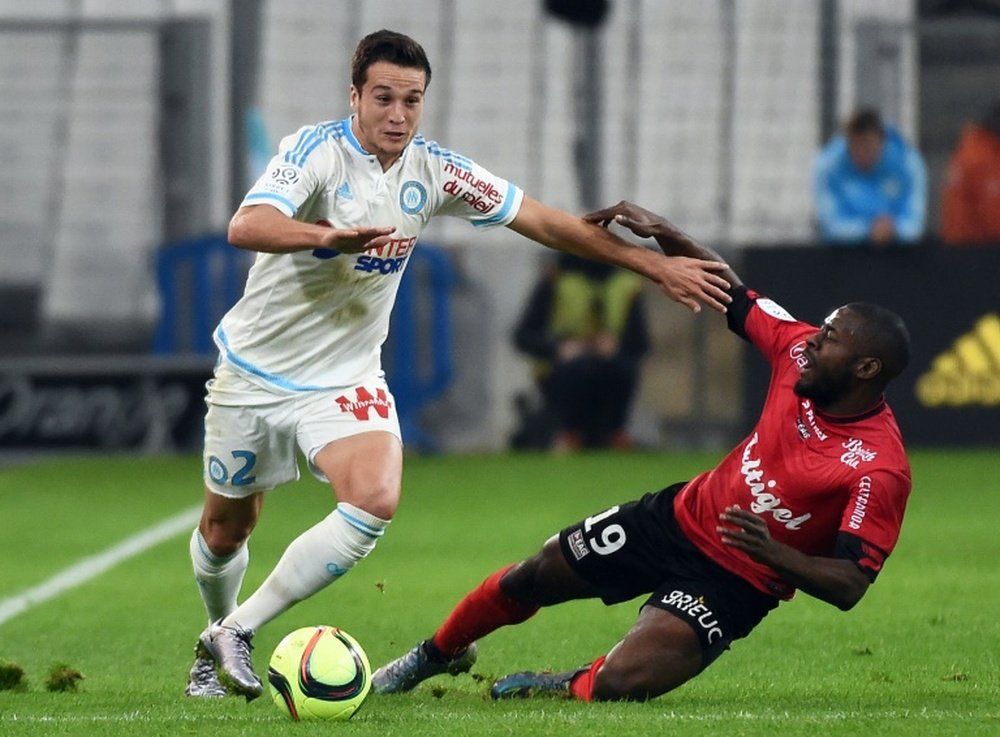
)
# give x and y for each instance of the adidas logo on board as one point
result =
(969, 372)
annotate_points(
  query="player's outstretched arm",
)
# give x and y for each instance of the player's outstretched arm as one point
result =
(833, 580)
(672, 240)
(268, 230)
(689, 281)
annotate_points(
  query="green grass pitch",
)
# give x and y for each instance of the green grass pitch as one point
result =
(920, 655)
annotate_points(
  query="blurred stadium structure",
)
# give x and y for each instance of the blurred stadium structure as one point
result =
(126, 125)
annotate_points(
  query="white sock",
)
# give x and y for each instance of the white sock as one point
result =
(315, 559)
(219, 579)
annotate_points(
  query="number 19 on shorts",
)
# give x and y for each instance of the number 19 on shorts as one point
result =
(608, 538)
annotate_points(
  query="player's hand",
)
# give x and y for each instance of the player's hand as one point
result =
(570, 349)
(883, 230)
(356, 240)
(605, 345)
(746, 531)
(682, 277)
(693, 281)
(639, 220)
(645, 224)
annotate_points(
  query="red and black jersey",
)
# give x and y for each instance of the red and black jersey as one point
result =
(827, 486)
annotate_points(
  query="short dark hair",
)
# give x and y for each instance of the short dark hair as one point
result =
(395, 48)
(865, 120)
(882, 334)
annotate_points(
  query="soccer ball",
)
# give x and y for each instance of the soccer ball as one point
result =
(319, 673)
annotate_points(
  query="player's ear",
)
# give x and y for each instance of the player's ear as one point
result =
(868, 367)
(355, 97)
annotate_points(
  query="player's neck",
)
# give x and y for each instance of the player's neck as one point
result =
(851, 406)
(387, 160)
(384, 158)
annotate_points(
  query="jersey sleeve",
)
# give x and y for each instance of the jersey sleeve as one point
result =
(766, 324)
(470, 192)
(865, 556)
(301, 166)
(872, 519)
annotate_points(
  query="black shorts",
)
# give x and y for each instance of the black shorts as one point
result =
(638, 548)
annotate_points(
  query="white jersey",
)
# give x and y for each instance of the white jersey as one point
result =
(317, 319)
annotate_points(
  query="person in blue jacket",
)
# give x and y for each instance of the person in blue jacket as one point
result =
(871, 185)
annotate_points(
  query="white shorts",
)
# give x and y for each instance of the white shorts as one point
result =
(251, 432)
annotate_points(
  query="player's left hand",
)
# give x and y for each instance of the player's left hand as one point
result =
(689, 281)
(748, 532)
(693, 282)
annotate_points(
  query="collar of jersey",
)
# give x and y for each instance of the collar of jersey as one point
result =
(352, 139)
(847, 419)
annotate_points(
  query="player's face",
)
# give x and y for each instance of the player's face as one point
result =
(387, 109)
(831, 358)
(865, 149)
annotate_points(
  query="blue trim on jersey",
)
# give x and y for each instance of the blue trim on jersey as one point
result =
(278, 381)
(363, 527)
(450, 156)
(499, 216)
(312, 137)
(271, 196)
(305, 135)
(348, 133)
(312, 144)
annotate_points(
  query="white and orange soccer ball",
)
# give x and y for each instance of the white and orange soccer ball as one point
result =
(319, 672)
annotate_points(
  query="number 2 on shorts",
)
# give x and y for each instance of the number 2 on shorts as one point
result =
(241, 477)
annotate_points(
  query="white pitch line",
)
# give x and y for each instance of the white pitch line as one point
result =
(95, 565)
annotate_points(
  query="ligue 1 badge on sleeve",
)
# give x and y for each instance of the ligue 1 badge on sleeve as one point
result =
(285, 176)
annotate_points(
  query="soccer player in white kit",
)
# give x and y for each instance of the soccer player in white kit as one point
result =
(334, 219)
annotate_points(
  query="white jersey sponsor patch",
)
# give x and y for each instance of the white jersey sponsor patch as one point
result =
(772, 308)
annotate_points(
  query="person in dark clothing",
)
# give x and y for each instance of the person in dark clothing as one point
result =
(585, 327)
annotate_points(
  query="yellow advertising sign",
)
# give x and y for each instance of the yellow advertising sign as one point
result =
(969, 372)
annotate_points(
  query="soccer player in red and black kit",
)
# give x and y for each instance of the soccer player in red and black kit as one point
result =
(812, 499)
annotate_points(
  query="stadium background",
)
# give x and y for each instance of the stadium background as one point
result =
(129, 128)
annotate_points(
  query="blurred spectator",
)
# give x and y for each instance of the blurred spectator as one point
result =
(585, 326)
(970, 211)
(871, 185)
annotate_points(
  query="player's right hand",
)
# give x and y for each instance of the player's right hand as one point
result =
(638, 219)
(356, 240)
